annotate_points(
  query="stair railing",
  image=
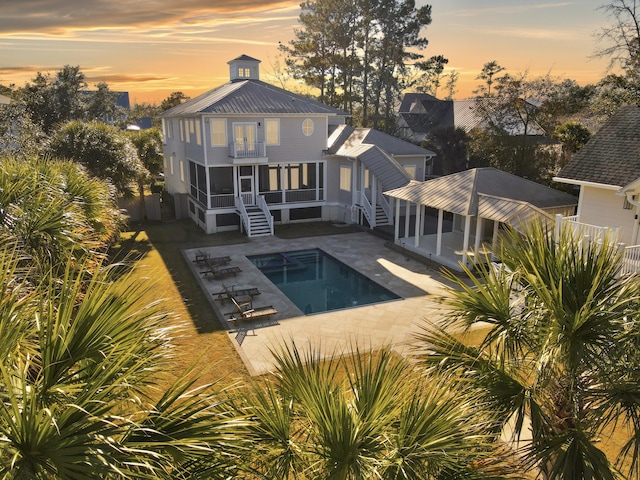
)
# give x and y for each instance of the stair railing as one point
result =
(262, 205)
(367, 209)
(384, 204)
(244, 216)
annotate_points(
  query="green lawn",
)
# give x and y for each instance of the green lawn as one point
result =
(155, 249)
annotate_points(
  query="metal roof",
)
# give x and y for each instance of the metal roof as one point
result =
(250, 97)
(382, 165)
(460, 192)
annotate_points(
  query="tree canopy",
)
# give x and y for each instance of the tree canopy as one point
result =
(357, 56)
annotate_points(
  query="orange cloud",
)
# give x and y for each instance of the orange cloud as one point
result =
(63, 17)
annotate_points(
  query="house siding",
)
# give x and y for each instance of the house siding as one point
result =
(603, 208)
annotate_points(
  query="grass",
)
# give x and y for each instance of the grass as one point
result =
(155, 249)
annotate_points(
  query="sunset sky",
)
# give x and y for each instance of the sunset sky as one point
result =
(151, 48)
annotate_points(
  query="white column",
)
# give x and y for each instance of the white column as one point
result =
(396, 233)
(418, 225)
(407, 211)
(465, 245)
(494, 240)
(476, 248)
(439, 234)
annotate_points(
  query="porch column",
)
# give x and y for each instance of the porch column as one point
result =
(476, 249)
(396, 223)
(494, 240)
(407, 211)
(416, 241)
(439, 233)
(465, 245)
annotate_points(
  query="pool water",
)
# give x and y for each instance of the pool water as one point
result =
(316, 282)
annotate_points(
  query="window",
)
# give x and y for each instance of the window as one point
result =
(198, 182)
(411, 170)
(345, 178)
(198, 133)
(272, 131)
(218, 132)
(367, 178)
(181, 130)
(307, 127)
(182, 170)
(172, 160)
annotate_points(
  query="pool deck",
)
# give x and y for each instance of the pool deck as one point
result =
(391, 323)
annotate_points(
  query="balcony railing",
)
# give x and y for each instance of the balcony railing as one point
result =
(294, 196)
(247, 150)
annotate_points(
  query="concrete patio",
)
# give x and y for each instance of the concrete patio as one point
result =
(391, 323)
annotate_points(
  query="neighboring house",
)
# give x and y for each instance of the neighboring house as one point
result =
(4, 100)
(442, 218)
(248, 154)
(420, 114)
(607, 171)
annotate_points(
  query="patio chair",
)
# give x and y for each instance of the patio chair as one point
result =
(247, 312)
(217, 261)
(242, 295)
(219, 272)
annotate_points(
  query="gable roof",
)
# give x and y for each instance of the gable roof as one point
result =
(481, 191)
(611, 156)
(345, 137)
(250, 97)
(375, 150)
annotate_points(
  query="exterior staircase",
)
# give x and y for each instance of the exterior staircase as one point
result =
(258, 223)
(381, 217)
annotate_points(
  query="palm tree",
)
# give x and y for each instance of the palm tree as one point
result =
(84, 391)
(55, 212)
(560, 361)
(370, 415)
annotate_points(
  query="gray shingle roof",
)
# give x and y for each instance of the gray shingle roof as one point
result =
(250, 97)
(612, 155)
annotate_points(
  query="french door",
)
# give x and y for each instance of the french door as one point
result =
(244, 136)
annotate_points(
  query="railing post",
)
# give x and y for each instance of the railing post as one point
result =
(557, 228)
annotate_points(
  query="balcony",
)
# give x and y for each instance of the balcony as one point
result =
(248, 152)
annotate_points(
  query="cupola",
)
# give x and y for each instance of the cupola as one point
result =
(244, 68)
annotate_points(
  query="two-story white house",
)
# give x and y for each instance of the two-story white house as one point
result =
(248, 154)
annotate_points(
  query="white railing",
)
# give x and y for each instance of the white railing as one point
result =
(262, 205)
(244, 216)
(247, 149)
(631, 260)
(222, 201)
(594, 232)
(382, 201)
(367, 209)
(247, 198)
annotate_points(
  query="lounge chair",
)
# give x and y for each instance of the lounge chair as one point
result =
(219, 272)
(247, 312)
(242, 295)
(217, 261)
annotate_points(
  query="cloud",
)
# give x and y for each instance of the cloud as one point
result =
(64, 17)
(507, 10)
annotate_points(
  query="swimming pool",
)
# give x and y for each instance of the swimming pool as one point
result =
(317, 282)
